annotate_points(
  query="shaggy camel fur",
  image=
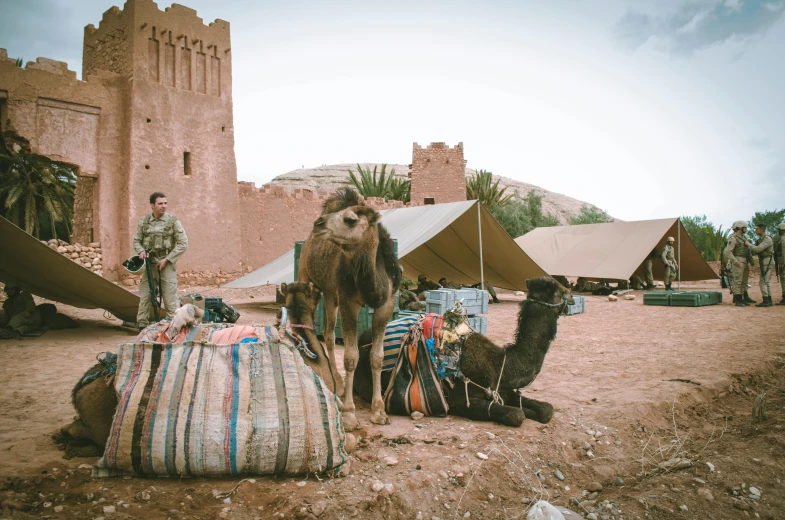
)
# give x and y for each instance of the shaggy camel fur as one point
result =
(96, 402)
(518, 362)
(351, 257)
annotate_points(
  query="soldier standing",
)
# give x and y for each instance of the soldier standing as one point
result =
(739, 256)
(161, 239)
(671, 266)
(764, 248)
(779, 258)
(647, 270)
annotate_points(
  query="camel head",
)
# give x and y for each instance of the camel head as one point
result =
(547, 290)
(301, 302)
(347, 227)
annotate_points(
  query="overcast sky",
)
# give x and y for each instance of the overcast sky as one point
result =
(645, 108)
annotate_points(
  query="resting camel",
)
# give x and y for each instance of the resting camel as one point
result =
(96, 402)
(350, 256)
(518, 362)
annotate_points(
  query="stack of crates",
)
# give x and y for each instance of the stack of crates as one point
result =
(475, 302)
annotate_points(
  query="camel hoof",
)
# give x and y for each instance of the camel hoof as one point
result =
(349, 421)
(380, 418)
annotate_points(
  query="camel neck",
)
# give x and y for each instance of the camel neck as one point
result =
(536, 330)
(363, 266)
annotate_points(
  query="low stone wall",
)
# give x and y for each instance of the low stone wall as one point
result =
(89, 256)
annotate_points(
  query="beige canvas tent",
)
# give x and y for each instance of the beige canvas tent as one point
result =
(50, 275)
(613, 251)
(436, 240)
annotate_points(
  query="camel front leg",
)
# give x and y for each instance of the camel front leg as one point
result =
(539, 411)
(484, 410)
(378, 326)
(330, 311)
(351, 354)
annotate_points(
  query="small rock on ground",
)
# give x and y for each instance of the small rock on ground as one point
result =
(705, 493)
(595, 486)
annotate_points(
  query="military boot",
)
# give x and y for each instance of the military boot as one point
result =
(782, 301)
(747, 298)
(738, 300)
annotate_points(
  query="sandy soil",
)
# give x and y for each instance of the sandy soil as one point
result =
(611, 370)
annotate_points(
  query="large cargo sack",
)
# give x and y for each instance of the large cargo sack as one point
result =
(201, 409)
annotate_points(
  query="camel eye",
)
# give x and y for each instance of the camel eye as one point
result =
(350, 220)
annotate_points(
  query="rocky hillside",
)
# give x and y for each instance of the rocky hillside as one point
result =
(328, 178)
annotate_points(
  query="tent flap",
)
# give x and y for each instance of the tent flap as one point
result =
(50, 275)
(436, 240)
(613, 251)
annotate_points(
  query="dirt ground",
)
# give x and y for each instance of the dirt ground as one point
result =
(653, 421)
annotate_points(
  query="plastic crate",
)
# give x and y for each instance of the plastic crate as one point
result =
(475, 301)
(364, 318)
(579, 307)
(695, 299)
(657, 298)
(478, 323)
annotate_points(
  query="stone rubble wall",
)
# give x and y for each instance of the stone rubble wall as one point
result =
(89, 256)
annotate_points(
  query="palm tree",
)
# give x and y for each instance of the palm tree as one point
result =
(717, 239)
(386, 185)
(480, 186)
(34, 187)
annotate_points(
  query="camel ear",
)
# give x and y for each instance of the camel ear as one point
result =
(374, 217)
(284, 289)
(313, 291)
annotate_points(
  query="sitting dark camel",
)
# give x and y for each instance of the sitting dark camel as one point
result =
(96, 402)
(483, 362)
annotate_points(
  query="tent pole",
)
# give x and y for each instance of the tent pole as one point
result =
(479, 230)
(678, 246)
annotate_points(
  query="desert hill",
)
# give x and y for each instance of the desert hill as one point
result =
(330, 177)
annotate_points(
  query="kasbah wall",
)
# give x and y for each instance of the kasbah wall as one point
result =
(154, 113)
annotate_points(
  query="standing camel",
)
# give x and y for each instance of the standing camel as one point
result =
(351, 257)
(512, 367)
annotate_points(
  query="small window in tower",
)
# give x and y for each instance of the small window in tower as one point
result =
(149, 120)
(429, 201)
(146, 166)
(223, 129)
(187, 163)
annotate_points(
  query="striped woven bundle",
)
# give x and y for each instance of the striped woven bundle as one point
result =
(393, 338)
(200, 409)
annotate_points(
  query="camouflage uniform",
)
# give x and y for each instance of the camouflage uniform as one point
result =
(648, 273)
(162, 238)
(669, 261)
(764, 248)
(779, 253)
(585, 285)
(636, 282)
(407, 301)
(424, 285)
(738, 257)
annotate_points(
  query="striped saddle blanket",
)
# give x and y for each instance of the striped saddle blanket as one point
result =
(427, 356)
(206, 409)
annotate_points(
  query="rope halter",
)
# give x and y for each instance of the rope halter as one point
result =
(299, 342)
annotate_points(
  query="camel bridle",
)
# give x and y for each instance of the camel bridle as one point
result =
(562, 304)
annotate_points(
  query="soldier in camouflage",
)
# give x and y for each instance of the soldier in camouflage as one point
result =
(162, 240)
(779, 257)
(669, 261)
(739, 258)
(648, 273)
(409, 301)
(764, 248)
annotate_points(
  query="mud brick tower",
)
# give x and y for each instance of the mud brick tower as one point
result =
(437, 174)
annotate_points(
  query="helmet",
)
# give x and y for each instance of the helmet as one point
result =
(422, 278)
(781, 227)
(739, 224)
(133, 264)
(671, 239)
(11, 285)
